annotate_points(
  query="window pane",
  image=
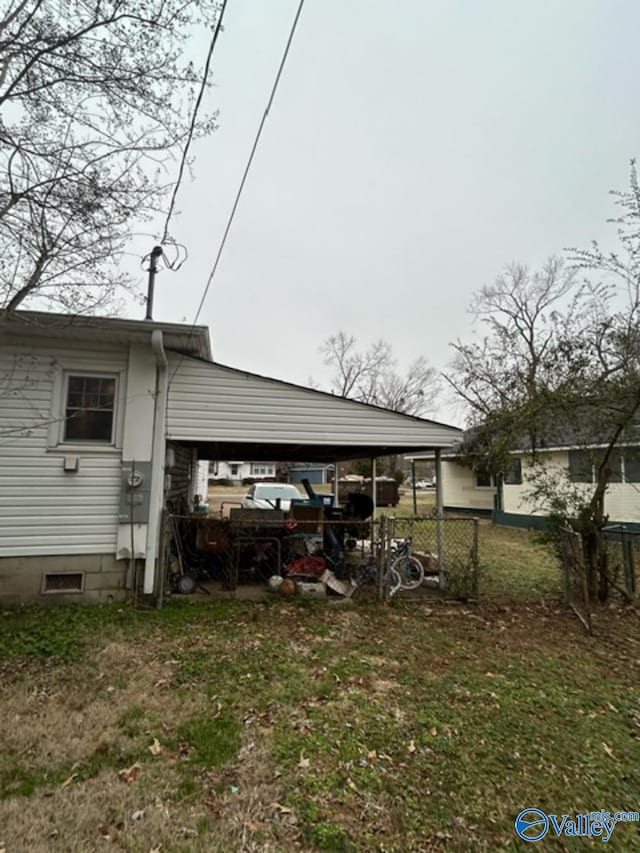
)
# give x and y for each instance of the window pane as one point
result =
(89, 408)
(580, 466)
(513, 474)
(615, 463)
(76, 384)
(74, 399)
(88, 426)
(483, 478)
(632, 464)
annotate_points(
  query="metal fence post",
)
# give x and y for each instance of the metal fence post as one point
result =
(442, 580)
(382, 557)
(474, 558)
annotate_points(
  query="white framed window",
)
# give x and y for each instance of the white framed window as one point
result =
(483, 479)
(89, 408)
(261, 470)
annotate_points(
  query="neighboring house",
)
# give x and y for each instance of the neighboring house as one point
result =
(317, 475)
(237, 472)
(622, 499)
(103, 421)
(507, 498)
(463, 490)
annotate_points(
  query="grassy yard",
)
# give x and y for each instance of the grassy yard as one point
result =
(282, 726)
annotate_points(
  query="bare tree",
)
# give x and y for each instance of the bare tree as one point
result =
(525, 314)
(560, 364)
(96, 98)
(370, 376)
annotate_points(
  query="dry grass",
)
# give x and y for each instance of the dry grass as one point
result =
(290, 726)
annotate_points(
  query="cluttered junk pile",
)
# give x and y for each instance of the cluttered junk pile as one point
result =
(304, 550)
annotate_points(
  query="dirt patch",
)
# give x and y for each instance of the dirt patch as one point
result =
(58, 719)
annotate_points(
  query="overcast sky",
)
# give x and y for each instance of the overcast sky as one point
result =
(413, 149)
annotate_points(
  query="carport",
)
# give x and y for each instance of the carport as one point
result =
(215, 412)
(220, 412)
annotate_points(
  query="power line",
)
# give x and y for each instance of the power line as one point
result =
(192, 125)
(244, 176)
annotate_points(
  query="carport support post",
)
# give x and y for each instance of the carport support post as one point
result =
(374, 488)
(442, 581)
(413, 486)
(336, 484)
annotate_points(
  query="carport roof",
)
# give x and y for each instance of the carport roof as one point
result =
(228, 413)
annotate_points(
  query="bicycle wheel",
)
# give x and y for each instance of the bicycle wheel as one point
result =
(410, 570)
(394, 581)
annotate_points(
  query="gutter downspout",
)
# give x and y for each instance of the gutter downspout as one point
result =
(158, 449)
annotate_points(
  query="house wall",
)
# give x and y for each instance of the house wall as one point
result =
(52, 520)
(622, 503)
(245, 470)
(622, 500)
(460, 491)
(43, 509)
(316, 476)
(514, 497)
(179, 477)
(224, 471)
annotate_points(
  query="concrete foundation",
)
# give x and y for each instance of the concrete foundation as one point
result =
(22, 579)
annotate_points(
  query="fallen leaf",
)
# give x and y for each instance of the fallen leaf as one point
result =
(609, 751)
(282, 809)
(412, 747)
(131, 774)
(304, 763)
(137, 815)
(69, 780)
(155, 748)
(108, 832)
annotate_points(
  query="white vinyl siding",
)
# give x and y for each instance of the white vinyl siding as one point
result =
(621, 502)
(43, 509)
(180, 474)
(209, 402)
(460, 491)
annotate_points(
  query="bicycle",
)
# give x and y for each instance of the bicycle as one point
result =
(367, 575)
(407, 567)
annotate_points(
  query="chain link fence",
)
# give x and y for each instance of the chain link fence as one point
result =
(574, 575)
(305, 553)
(446, 547)
(621, 556)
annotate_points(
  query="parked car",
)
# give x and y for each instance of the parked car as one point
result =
(424, 484)
(271, 496)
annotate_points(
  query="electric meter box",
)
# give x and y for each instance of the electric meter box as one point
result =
(135, 491)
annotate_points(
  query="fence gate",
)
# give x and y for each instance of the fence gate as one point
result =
(447, 548)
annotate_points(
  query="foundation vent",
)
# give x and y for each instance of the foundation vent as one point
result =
(63, 582)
